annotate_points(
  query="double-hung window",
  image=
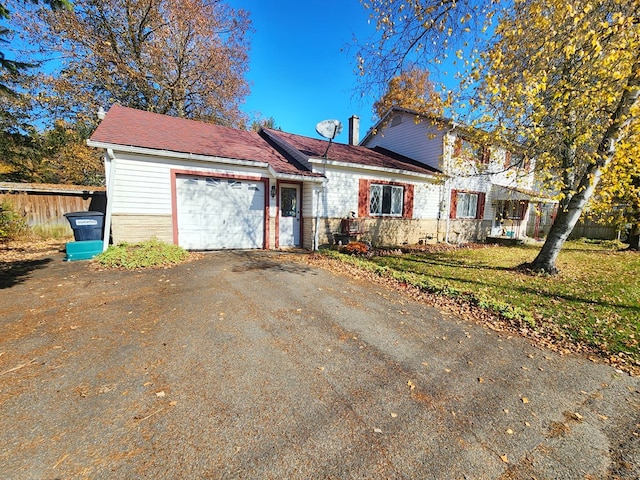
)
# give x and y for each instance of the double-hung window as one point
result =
(470, 150)
(386, 200)
(467, 205)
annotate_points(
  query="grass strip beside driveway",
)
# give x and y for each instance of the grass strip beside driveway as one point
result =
(594, 301)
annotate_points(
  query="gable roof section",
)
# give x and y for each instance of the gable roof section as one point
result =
(130, 127)
(353, 154)
(441, 122)
(393, 111)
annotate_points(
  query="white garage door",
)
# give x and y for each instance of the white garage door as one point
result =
(218, 213)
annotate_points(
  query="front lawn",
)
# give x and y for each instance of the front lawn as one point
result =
(594, 301)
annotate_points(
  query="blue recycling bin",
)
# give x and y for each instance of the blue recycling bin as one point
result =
(86, 225)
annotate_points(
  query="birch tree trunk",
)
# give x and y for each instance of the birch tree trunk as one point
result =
(567, 217)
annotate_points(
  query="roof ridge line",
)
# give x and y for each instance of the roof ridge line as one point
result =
(286, 147)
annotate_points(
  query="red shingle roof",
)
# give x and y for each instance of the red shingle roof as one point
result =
(137, 128)
(355, 154)
(286, 153)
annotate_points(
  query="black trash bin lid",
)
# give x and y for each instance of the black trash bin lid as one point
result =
(83, 214)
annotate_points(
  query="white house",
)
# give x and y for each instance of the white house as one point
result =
(487, 189)
(204, 187)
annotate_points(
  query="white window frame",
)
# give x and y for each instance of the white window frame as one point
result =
(395, 200)
(467, 204)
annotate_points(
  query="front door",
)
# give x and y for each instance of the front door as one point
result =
(289, 234)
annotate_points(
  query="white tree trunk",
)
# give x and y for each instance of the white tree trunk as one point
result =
(568, 217)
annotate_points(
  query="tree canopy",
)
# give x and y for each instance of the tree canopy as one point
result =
(411, 89)
(184, 58)
(560, 77)
(617, 200)
(13, 66)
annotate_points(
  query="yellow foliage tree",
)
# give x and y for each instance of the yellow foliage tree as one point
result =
(617, 200)
(563, 77)
(68, 159)
(559, 76)
(412, 90)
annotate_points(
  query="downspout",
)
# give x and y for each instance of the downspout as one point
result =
(447, 188)
(110, 167)
(447, 204)
(316, 234)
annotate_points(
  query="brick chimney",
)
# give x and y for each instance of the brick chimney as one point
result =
(354, 130)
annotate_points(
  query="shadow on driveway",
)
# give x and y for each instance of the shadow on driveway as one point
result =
(12, 273)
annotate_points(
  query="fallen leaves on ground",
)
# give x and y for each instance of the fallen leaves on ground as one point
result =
(453, 306)
(22, 250)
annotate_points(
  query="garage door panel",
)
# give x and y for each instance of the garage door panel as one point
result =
(218, 213)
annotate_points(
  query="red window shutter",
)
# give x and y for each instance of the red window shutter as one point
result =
(457, 149)
(363, 198)
(526, 164)
(524, 204)
(486, 154)
(453, 204)
(507, 159)
(407, 207)
(480, 209)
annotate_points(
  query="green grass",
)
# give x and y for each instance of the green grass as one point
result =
(594, 300)
(151, 253)
(46, 232)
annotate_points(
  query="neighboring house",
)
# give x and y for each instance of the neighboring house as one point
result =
(487, 189)
(208, 187)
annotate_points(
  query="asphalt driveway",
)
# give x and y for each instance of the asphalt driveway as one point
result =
(255, 365)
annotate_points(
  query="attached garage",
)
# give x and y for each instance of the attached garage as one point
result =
(220, 213)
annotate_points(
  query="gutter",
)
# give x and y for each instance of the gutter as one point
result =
(110, 161)
(396, 171)
(181, 155)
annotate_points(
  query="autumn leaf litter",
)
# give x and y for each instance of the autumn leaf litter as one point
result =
(544, 336)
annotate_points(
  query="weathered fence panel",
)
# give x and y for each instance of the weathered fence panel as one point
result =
(44, 205)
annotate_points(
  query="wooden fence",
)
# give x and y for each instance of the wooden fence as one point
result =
(540, 224)
(44, 205)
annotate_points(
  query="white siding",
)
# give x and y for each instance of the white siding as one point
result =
(420, 141)
(142, 187)
(340, 195)
(309, 199)
(426, 200)
(143, 183)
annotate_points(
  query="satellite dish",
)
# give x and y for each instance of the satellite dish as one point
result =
(329, 128)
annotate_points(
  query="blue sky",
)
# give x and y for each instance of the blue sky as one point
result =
(302, 70)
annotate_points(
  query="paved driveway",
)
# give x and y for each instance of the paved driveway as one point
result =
(251, 365)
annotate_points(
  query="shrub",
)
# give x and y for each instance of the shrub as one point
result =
(152, 253)
(356, 248)
(12, 224)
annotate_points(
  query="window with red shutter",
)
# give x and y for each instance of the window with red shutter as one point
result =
(467, 204)
(383, 198)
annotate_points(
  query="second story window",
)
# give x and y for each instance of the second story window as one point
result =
(516, 160)
(469, 150)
